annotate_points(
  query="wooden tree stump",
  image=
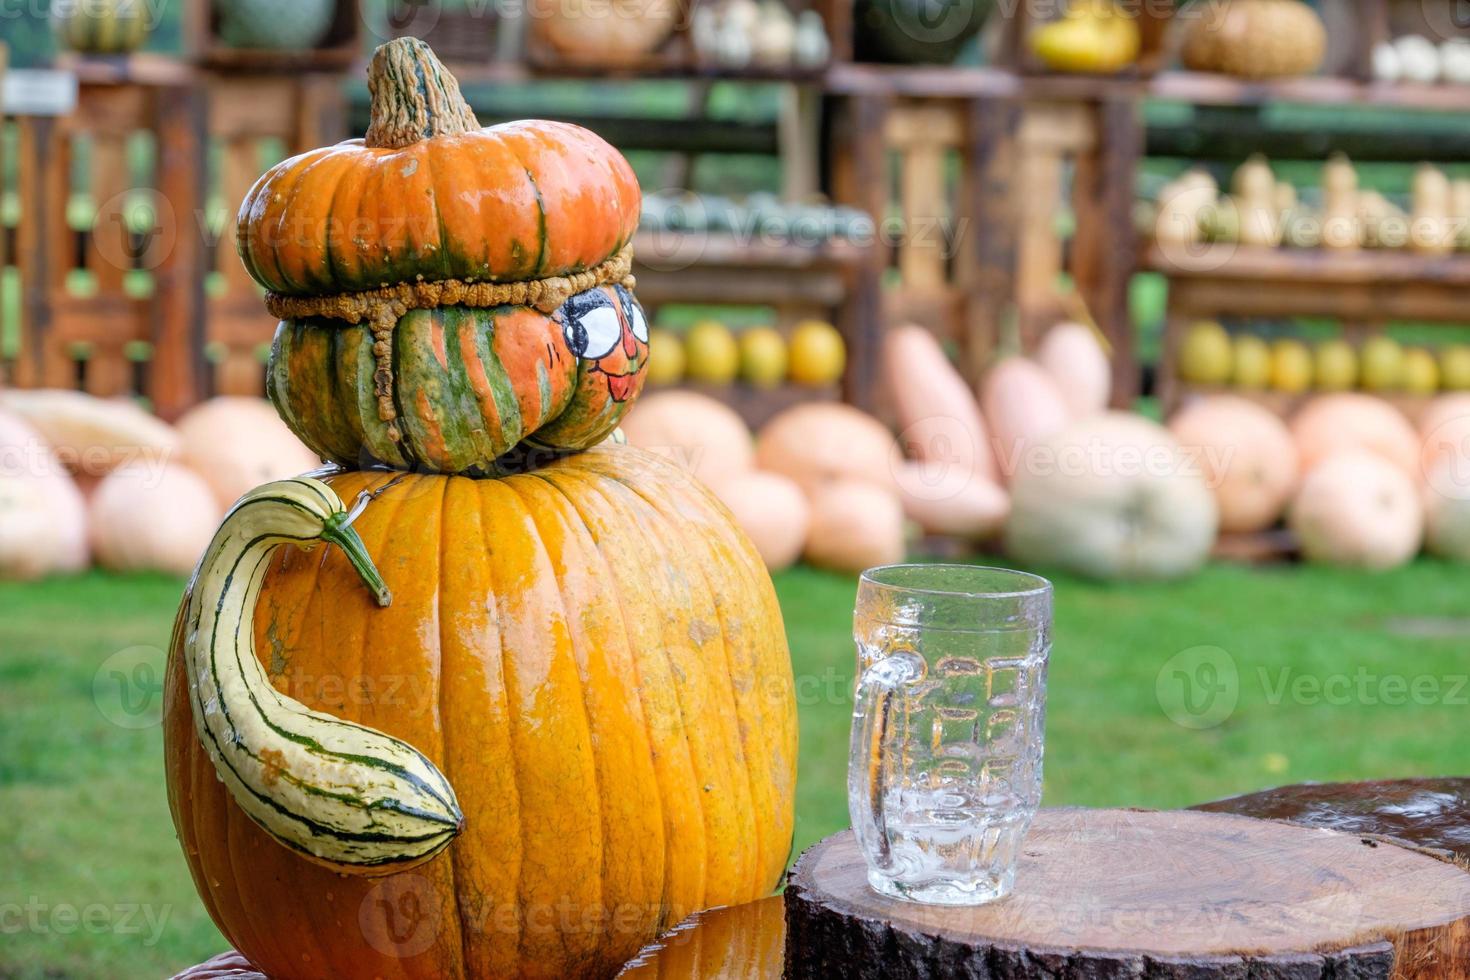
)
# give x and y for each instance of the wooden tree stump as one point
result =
(1152, 896)
(1430, 814)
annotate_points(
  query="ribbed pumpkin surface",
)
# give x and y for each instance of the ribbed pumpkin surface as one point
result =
(594, 656)
(522, 200)
(470, 384)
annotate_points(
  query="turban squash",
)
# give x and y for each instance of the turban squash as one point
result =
(448, 292)
(590, 654)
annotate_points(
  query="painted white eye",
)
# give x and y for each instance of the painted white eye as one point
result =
(595, 333)
(637, 320)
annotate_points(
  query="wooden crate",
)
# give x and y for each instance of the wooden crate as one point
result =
(108, 307)
(968, 184)
(338, 49)
(1362, 289)
(824, 282)
(249, 115)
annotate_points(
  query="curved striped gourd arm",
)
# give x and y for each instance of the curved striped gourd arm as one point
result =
(341, 793)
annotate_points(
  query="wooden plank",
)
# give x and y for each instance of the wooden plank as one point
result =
(799, 127)
(866, 180)
(1057, 127)
(41, 252)
(109, 242)
(1202, 88)
(990, 206)
(924, 209)
(109, 109)
(321, 112)
(1104, 245)
(1442, 302)
(681, 250)
(915, 123)
(747, 285)
(250, 105)
(1247, 263)
(1038, 190)
(177, 374)
(239, 168)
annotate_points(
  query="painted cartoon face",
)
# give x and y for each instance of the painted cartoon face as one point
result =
(607, 327)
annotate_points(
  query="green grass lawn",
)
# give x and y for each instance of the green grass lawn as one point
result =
(1338, 675)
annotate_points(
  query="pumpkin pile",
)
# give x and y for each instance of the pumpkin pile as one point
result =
(832, 485)
(1355, 481)
(1261, 210)
(1210, 356)
(85, 478)
(534, 703)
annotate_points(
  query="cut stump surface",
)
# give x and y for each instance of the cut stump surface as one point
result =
(1153, 896)
(1433, 814)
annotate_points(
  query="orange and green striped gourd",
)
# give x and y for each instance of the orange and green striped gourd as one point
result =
(432, 204)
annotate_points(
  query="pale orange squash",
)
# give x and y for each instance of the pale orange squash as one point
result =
(1331, 423)
(1246, 455)
(152, 517)
(43, 519)
(1076, 361)
(946, 501)
(1444, 425)
(938, 417)
(1357, 509)
(855, 525)
(771, 510)
(238, 443)
(1022, 405)
(818, 442)
(704, 436)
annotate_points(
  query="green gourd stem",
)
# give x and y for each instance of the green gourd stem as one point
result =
(342, 793)
(414, 97)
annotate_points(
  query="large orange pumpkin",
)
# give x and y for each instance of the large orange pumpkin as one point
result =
(591, 653)
(447, 292)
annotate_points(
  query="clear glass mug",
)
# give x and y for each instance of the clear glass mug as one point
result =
(944, 774)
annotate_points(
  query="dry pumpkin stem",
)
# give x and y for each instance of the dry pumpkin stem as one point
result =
(385, 306)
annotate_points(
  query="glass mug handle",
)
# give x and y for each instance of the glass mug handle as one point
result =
(871, 710)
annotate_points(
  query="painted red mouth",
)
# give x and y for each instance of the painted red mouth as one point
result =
(620, 386)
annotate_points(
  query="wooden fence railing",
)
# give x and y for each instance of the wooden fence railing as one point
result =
(121, 230)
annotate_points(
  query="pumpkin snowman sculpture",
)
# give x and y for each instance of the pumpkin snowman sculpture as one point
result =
(497, 696)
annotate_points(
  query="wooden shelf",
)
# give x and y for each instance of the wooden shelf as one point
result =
(947, 81)
(153, 70)
(1199, 88)
(675, 249)
(1363, 267)
(511, 72)
(250, 60)
(1202, 88)
(934, 81)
